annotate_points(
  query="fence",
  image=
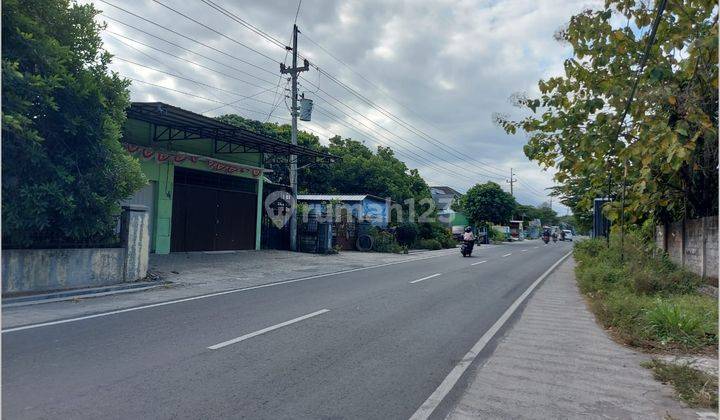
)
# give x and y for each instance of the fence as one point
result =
(693, 244)
(44, 270)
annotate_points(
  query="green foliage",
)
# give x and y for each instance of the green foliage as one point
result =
(495, 235)
(64, 169)
(544, 212)
(384, 241)
(696, 388)
(488, 203)
(684, 321)
(432, 244)
(436, 231)
(407, 233)
(644, 298)
(669, 142)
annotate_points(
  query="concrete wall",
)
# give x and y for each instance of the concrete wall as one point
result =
(692, 243)
(39, 270)
(43, 270)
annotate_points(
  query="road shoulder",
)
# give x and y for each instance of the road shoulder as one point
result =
(556, 362)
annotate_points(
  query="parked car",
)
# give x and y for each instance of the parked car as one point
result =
(568, 234)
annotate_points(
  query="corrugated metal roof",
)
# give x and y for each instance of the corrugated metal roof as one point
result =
(329, 197)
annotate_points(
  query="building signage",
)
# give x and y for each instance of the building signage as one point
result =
(149, 153)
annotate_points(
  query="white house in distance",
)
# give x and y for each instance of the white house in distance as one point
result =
(444, 196)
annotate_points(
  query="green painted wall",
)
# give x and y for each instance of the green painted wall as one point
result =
(460, 220)
(140, 132)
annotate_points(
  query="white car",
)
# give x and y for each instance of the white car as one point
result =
(568, 234)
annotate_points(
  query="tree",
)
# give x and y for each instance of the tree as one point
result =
(547, 215)
(668, 143)
(543, 212)
(488, 203)
(64, 169)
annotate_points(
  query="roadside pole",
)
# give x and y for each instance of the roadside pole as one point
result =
(293, 71)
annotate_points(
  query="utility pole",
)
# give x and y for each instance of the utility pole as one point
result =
(294, 71)
(511, 181)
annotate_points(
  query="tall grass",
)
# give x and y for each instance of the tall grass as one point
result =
(645, 299)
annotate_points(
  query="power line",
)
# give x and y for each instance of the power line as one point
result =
(397, 150)
(327, 75)
(405, 125)
(246, 24)
(278, 43)
(200, 83)
(404, 140)
(213, 30)
(417, 159)
(194, 81)
(199, 96)
(115, 34)
(183, 36)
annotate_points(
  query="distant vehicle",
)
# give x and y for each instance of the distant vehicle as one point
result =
(568, 234)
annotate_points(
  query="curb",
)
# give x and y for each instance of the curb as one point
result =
(14, 302)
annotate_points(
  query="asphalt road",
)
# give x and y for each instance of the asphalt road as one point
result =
(372, 343)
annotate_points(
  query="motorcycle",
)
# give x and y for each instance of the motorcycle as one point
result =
(466, 248)
(546, 239)
(554, 238)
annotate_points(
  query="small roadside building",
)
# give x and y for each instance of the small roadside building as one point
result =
(362, 207)
(206, 178)
(517, 232)
(352, 215)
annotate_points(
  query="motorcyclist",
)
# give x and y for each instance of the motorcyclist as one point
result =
(554, 236)
(468, 242)
(468, 235)
(546, 236)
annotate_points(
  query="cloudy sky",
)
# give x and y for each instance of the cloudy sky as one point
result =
(436, 70)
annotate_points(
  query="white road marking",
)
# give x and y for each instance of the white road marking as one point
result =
(209, 295)
(268, 329)
(523, 250)
(425, 278)
(479, 262)
(534, 247)
(427, 408)
(507, 255)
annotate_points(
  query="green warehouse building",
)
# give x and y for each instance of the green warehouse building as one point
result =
(205, 190)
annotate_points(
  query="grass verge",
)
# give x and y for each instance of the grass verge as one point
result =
(644, 299)
(696, 388)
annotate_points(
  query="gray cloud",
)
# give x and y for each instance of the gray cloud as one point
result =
(453, 63)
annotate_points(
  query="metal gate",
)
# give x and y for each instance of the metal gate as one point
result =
(212, 212)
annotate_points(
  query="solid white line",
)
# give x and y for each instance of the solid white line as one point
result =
(209, 295)
(479, 262)
(427, 408)
(425, 278)
(507, 255)
(268, 329)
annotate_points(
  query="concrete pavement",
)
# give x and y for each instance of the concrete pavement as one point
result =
(370, 343)
(556, 362)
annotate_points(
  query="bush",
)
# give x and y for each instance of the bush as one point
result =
(644, 298)
(432, 244)
(384, 241)
(407, 233)
(436, 232)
